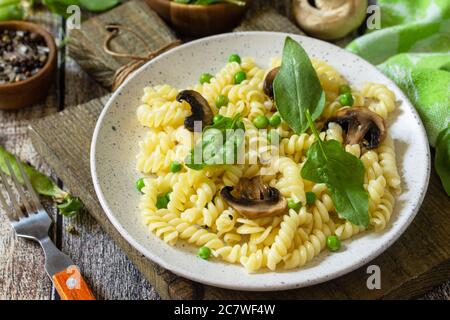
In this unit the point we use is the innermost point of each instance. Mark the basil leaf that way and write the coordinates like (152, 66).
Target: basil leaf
(297, 88)
(442, 158)
(343, 174)
(183, 1)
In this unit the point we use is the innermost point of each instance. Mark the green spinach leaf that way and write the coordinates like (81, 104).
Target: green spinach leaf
(297, 88)
(442, 158)
(343, 174)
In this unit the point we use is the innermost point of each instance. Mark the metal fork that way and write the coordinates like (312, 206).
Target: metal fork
(33, 222)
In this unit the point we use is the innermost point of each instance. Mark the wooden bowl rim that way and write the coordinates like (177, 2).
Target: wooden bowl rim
(49, 41)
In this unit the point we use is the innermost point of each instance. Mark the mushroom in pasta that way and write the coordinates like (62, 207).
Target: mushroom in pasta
(268, 81)
(361, 125)
(329, 19)
(254, 199)
(201, 111)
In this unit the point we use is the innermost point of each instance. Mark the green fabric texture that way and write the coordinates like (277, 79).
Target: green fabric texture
(413, 49)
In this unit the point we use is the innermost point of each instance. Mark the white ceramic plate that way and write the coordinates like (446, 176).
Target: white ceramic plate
(115, 144)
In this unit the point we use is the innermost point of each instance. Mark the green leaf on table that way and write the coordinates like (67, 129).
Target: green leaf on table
(297, 88)
(98, 5)
(442, 158)
(59, 7)
(11, 12)
(43, 185)
(220, 144)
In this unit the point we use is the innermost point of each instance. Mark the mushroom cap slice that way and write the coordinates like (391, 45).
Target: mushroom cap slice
(201, 111)
(268, 82)
(329, 19)
(361, 125)
(254, 199)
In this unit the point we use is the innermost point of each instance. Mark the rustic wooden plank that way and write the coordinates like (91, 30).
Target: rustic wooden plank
(86, 44)
(91, 248)
(405, 272)
(22, 274)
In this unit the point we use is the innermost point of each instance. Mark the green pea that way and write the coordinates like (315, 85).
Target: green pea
(346, 99)
(261, 122)
(162, 201)
(239, 77)
(310, 197)
(217, 118)
(333, 243)
(292, 204)
(204, 252)
(140, 184)
(234, 58)
(275, 120)
(175, 166)
(221, 101)
(345, 88)
(205, 78)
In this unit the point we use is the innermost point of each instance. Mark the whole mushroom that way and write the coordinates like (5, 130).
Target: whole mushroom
(254, 199)
(361, 125)
(329, 19)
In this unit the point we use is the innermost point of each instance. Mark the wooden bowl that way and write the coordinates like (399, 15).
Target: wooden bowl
(34, 89)
(198, 20)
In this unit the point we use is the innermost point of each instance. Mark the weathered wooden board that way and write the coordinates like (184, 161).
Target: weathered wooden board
(22, 274)
(86, 44)
(97, 255)
(412, 266)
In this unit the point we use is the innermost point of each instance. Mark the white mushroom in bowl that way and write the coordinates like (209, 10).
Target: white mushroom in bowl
(329, 19)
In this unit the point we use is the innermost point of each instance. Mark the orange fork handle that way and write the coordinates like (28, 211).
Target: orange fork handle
(70, 285)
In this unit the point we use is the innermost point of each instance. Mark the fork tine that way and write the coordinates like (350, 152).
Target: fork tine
(12, 197)
(26, 179)
(22, 195)
(8, 210)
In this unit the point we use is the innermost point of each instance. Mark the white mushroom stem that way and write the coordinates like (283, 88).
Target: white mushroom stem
(329, 19)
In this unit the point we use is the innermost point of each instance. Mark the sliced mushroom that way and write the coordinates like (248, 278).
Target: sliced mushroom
(201, 111)
(268, 81)
(329, 19)
(362, 126)
(254, 199)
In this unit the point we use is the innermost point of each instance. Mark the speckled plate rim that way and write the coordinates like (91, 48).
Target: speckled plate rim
(226, 283)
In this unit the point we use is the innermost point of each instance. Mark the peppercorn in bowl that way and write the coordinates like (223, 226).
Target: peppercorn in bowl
(27, 64)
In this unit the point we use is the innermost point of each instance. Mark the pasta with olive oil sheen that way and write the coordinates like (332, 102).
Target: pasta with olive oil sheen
(197, 213)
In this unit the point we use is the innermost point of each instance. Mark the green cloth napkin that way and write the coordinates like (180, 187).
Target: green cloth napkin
(413, 49)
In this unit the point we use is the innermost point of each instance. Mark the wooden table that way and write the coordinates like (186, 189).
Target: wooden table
(22, 274)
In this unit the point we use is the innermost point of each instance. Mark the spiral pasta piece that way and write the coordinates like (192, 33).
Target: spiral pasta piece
(290, 184)
(283, 240)
(380, 99)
